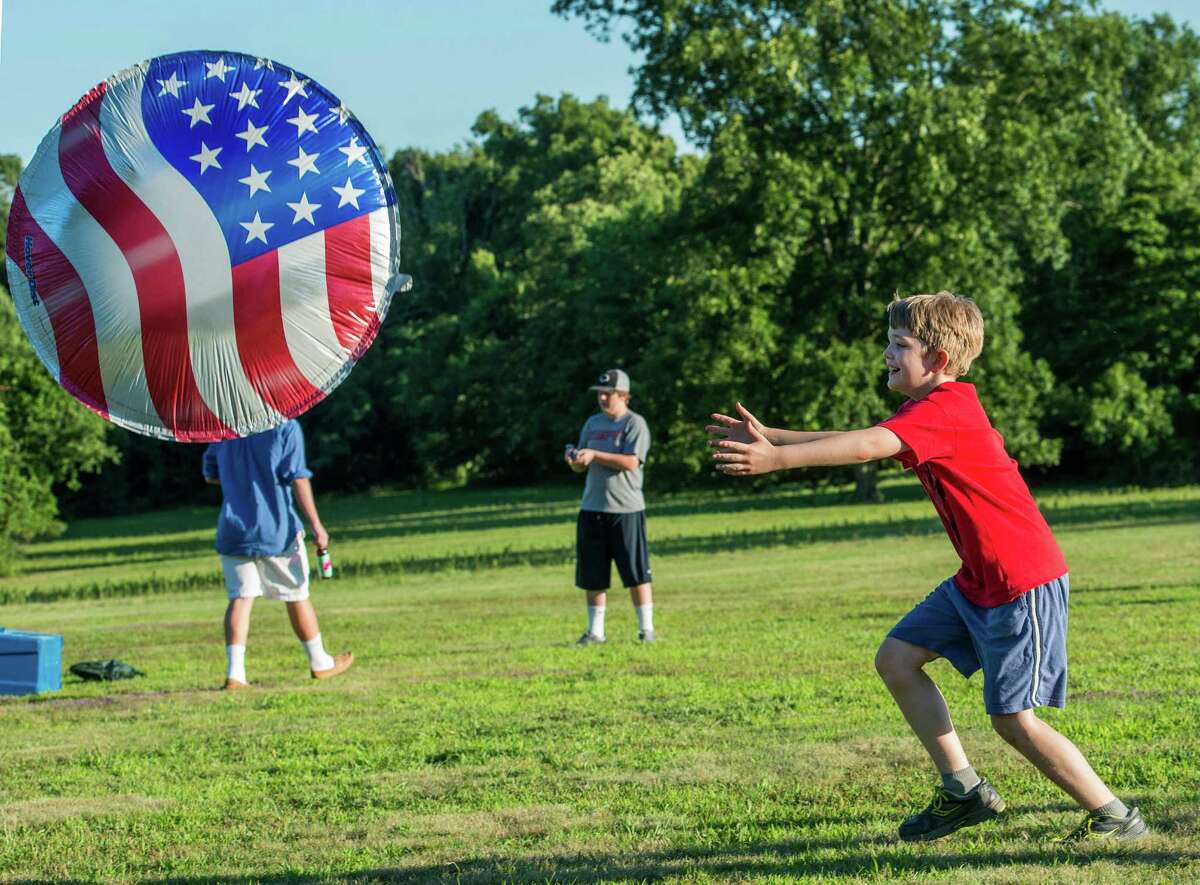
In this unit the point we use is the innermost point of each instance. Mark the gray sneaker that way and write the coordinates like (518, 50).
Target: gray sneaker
(1108, 829)
(647, 636)
(589, 639)
(947, 813)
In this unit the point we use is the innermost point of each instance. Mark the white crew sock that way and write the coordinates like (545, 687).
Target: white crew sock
(645, 615)
(318, 658)
(596, 620)
(235, 662)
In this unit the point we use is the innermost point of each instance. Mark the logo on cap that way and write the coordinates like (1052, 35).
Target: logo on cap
(613, 379)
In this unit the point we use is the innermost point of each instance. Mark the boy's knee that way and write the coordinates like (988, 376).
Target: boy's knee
(892, 662)
(882, 662)
(1014, 728)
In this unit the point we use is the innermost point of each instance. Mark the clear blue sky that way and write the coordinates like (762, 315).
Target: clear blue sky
(416, 72)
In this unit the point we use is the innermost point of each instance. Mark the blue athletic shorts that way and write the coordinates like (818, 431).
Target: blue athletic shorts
(1021, 645)
(604, 538)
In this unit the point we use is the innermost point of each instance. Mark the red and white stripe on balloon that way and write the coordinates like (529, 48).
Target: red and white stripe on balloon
(204, 246)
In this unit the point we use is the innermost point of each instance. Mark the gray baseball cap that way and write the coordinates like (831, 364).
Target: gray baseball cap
(613, 379)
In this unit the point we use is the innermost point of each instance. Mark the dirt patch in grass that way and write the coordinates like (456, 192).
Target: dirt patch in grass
(125, 698)
(813, 764)
(531, 823)
(1129, 694)
(434, 782)
(36, 812)
(45, 752)
(79, 702)
(156, 628)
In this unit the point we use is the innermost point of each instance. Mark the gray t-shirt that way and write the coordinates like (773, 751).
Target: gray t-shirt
(615, 491)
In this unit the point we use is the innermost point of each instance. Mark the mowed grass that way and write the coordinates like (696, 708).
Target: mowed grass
(470, 743)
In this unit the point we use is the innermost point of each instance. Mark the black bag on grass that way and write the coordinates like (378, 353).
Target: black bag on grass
(104, 670)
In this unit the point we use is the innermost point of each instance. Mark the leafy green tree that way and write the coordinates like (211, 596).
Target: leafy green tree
(401, 392)
(585, 289)
(1039, 157)
(1119, 321)
(857, 149)
(537, 263)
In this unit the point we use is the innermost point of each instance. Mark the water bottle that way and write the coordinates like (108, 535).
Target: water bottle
(325, 562)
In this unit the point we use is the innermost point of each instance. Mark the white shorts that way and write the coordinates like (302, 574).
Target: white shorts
(283, 577)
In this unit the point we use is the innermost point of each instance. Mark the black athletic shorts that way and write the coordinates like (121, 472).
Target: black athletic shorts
(604, 538)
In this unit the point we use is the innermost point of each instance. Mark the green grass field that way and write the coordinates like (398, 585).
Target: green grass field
(470, 743)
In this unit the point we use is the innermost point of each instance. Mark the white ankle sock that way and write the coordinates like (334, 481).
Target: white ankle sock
(645, 615)
(596, 620)
(235, 662)
(318, 658)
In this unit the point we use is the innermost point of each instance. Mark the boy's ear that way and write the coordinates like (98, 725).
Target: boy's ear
(938, 360)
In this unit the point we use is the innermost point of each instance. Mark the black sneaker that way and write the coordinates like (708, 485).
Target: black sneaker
(1107, 828)
(589, 639)
(947, 813)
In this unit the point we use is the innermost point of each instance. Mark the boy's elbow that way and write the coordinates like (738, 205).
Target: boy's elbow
(865, 454)
(858, 450)
(875, 447)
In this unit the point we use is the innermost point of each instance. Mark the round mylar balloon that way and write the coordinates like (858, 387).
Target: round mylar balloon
(203, 246)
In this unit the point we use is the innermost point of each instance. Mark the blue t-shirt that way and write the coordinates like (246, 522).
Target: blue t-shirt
(256, 473)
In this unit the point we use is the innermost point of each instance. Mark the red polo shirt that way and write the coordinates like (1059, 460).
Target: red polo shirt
(1004, 543)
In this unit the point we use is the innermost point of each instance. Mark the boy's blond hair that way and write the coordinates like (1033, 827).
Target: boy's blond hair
(942, 321)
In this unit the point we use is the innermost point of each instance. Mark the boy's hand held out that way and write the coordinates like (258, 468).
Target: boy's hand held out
(734, 429)
(745, 458)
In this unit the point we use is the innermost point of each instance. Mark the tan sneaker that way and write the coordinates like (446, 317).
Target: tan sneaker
(341, 663)
(234, 685)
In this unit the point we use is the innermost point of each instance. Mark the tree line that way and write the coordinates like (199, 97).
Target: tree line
(1041, 158)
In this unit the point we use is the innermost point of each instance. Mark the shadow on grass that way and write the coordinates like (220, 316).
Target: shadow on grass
(737, 861)
(407, 524)
(1078, 517)
(463, 515)
(410, 523)
(483, 560)
(1135, 588)
(1144, 513)
(149, 551)
(729, 541)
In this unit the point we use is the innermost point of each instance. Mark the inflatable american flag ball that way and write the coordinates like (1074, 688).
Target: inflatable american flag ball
(203, 246)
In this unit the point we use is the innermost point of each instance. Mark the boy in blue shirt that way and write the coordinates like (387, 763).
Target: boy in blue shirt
(261, 541)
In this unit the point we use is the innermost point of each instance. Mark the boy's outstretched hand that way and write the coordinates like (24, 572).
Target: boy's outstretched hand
(737, 430)
(741, 447)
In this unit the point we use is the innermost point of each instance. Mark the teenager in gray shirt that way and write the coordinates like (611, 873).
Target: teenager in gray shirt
(612, 517)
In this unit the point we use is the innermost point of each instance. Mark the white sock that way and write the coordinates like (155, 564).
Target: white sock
(235, 662)
(318, 658)
(596, 620)
(645, 615)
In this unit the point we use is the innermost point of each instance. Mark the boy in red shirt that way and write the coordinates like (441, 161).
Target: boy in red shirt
(1004, 612)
